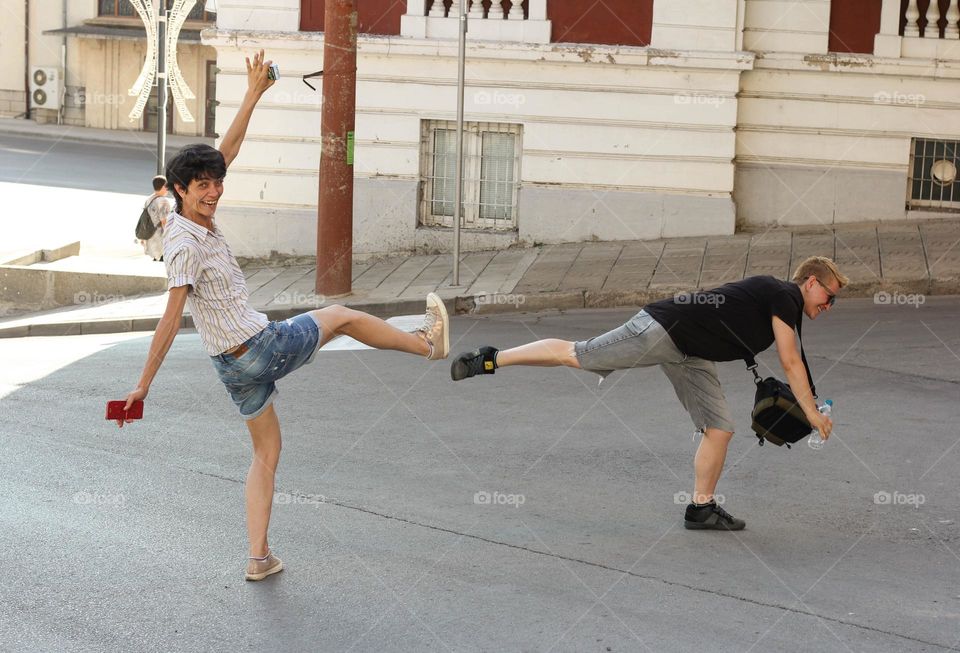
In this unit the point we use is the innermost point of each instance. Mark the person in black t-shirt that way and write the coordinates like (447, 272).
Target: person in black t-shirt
(686, 336)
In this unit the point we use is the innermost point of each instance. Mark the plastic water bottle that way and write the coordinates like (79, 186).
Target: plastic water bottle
(815, 441)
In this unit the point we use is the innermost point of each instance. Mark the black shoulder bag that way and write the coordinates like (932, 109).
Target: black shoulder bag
(777, 417)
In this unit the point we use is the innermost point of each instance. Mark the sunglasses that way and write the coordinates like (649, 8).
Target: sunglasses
(831, 298)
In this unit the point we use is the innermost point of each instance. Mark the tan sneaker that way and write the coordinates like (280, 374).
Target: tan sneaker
(260, 568)
(436, 328)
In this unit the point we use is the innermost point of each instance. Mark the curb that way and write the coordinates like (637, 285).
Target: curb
(467, 305)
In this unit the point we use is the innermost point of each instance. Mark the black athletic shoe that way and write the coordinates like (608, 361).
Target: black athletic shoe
(480, 361)
(711, 516)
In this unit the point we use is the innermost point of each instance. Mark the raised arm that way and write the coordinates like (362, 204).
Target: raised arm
(797, 376)
(257, 84)
(163, 337)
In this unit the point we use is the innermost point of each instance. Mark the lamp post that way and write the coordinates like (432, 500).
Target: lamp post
(162, 87)
(458, 192)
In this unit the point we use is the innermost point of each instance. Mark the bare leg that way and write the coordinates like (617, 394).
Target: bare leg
(542, 353)
(265, 433)
(708, 463)
(372, 331)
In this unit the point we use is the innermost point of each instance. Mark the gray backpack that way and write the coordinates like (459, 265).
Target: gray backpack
(145, 227)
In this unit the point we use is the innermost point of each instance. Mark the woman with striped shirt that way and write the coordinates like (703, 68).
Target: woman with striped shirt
(249, 352)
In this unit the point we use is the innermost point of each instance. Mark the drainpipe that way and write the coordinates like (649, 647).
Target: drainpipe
(63, 66)
(738, 36)
(26, 56)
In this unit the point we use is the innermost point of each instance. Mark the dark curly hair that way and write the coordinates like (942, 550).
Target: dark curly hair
(197, 161)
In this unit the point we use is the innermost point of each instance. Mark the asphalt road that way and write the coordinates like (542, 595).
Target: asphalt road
(132, 539)
(115, 168)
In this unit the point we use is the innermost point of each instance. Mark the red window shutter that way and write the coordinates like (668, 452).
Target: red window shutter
(854, 24)
(375, 16)
(611, 22)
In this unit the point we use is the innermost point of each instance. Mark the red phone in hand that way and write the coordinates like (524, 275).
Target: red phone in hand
(115, 410)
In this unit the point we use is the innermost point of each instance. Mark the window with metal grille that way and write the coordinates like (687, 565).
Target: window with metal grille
(491, 174)
(933, 180)
(125, 8)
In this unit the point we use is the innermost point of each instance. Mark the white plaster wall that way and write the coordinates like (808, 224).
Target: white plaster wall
(682, 138)
(825, 140)
(45, 50)
(787, 26)
(696, 24)
(273, 16)
(596, 120)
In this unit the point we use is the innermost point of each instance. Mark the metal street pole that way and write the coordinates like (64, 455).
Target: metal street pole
(461, 83)
(335, 202)
(162, 87)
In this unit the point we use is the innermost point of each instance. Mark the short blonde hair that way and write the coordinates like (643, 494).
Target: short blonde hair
(822, 268)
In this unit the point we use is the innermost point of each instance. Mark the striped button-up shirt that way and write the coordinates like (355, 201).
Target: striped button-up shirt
(218, 296)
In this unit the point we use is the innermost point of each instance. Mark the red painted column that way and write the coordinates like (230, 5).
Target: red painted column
(335, 203)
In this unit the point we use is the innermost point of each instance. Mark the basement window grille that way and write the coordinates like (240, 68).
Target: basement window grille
(934, 183)
(491, 174)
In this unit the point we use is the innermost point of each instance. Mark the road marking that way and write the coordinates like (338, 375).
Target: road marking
(402, 322)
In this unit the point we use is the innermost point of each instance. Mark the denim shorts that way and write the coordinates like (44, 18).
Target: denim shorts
(643, 342)
(250, 374)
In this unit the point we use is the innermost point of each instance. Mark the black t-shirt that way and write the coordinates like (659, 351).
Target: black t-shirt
(731, 321)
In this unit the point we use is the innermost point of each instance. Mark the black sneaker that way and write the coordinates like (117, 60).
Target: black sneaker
(711, 516)
(480, 361)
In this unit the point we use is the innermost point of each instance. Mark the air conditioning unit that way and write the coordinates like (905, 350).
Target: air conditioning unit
(46, 87)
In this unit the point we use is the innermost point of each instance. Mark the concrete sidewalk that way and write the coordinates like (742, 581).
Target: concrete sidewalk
(905, 261)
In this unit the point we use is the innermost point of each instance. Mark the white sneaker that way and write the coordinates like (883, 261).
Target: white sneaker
(260, 568)
(436, 328)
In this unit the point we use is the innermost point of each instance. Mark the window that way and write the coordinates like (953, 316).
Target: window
(125, 8)
(491, 174)
(933, 180)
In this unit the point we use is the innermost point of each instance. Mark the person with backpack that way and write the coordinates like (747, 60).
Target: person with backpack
(686, 335)
(249, 352)
(153, 219)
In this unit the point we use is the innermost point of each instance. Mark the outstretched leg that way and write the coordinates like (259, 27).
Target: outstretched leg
(542, 353)
(431, 339)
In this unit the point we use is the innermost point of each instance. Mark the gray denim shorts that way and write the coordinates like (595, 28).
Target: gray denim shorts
(643, 342)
